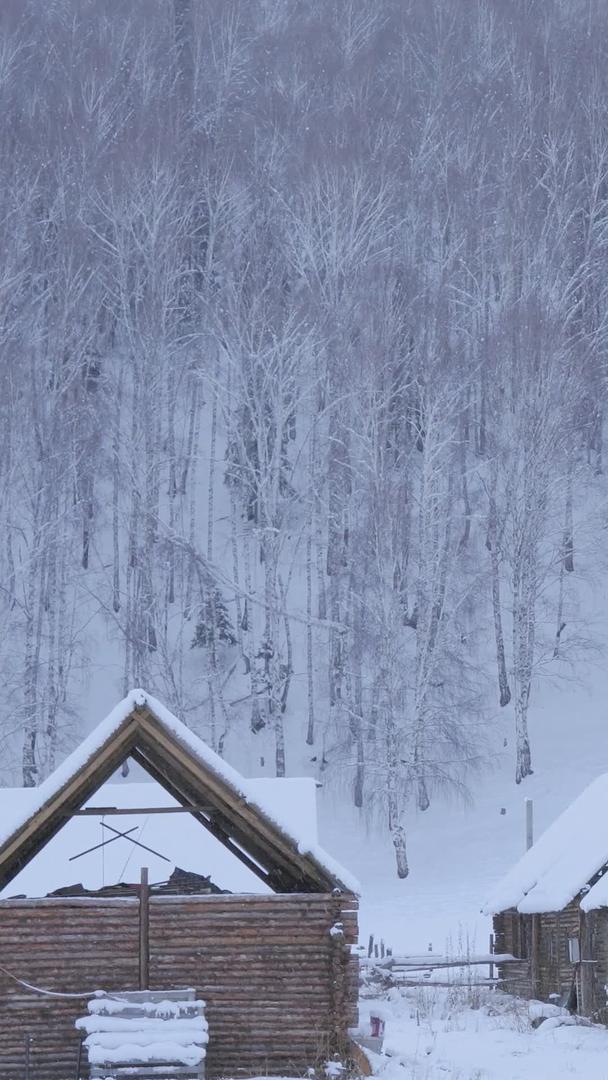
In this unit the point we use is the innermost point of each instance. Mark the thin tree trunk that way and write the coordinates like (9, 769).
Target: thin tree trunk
(568, 536)
(257, 719)
(287, 671)
(310, 680)
(493, 547)
(395, 821)
(116, 485)
(172, 490)
(33, 631)
(356, 704)
(523, 650)
(51, 674)
(236, 573)
(189, 472)
(211, 487)
(566, 561)
(464, 484)
(213, 659)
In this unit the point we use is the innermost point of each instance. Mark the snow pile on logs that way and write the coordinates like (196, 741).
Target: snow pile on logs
(145, 1028)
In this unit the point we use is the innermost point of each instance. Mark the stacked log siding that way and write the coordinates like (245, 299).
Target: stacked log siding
(281, 990)
(552, 976)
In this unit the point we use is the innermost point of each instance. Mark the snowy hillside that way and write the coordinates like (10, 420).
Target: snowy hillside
(459, 852)
(302, 391)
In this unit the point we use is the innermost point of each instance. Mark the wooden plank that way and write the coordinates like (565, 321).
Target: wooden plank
(420, 964)
(587, 1004)
(207, 823)
(144, 930)
(122, 811)
(248, 849)
(148, 1072)
(23, 845)
(249, 828)
(445, 984)
(535, 956)
(246, 901)
(186, 777)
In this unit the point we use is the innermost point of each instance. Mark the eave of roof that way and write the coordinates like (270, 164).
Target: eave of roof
(563, 861)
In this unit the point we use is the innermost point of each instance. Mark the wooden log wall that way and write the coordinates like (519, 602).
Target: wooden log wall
(62, 945)
(281, 990)
(556, 970)
(553, 973)
(515, 978)
(597, 927)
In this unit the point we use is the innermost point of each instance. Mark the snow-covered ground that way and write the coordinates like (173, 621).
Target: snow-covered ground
(464, 1033)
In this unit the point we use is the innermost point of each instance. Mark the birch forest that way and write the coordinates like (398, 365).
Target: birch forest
(302, 375)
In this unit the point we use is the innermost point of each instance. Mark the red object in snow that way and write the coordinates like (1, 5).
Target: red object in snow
(377, 1025)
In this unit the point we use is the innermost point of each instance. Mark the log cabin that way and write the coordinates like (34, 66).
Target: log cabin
(275, 967)
(550, 911)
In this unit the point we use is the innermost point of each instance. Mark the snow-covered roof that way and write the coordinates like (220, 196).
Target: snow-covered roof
(562, 861)
(121, 728)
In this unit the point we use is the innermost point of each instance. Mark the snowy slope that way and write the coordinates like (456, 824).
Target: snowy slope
(457, 852)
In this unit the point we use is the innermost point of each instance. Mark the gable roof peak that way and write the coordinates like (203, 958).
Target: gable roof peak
(142, 728)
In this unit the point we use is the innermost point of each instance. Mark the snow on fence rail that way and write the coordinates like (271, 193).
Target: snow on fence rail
(146, 1034)
(419, 969)
(434, 960)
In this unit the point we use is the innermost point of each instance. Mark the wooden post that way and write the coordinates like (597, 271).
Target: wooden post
(586, 1005)
(144, 930)
(79, 1065)
(338, 957)
(491, 951)
(529, 824)
(535, 956)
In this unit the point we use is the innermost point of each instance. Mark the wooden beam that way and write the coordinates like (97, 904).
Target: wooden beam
(535, 973)
(123, 811)
(25, 843)
(587, 1004)
(207, 823)
(142, 736)
(248, 827)
(144, 930)
(127, 836)
(103, 844)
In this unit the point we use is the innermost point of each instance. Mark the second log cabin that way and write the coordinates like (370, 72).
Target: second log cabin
(550, 911)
